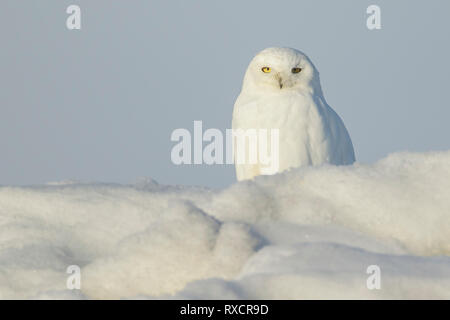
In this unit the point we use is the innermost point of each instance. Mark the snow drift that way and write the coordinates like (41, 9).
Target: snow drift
(306, 233)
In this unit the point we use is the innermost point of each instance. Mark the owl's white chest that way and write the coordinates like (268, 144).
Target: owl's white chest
(300, 120)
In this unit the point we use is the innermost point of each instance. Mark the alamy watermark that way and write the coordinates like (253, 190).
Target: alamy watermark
(74, 280)
(73, 21)
(374, 280)
(237, 146)
(373, 21)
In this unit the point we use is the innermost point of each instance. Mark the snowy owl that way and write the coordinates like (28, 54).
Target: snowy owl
(281, 90)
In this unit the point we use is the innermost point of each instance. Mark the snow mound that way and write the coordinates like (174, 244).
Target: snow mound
(306, 233)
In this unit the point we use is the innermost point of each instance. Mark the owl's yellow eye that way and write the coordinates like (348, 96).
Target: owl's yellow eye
(296, 70)
(266, 69)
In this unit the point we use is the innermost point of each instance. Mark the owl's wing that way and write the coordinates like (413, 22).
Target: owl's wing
(342, 146)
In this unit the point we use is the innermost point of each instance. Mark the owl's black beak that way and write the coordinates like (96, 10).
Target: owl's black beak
(280, 80)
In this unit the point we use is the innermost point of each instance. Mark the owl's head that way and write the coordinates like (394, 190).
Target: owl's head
(275, 69)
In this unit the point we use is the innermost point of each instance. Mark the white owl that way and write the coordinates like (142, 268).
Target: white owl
(281, 90)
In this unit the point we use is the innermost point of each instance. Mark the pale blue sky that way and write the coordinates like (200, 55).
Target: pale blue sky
(100, 104)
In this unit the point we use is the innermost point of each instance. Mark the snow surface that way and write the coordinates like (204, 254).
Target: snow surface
(306, 233)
